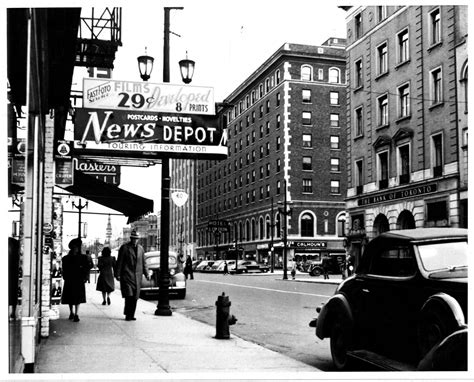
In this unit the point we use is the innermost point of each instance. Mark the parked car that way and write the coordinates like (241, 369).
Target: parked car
(247, 266)
(195, 264)
(204, 266)
(217, 266)
(408, 294)
(177, 285)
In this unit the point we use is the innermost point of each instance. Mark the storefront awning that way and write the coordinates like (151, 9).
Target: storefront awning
(108, 195)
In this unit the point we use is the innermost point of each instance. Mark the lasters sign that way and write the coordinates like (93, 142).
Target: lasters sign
(139, 134)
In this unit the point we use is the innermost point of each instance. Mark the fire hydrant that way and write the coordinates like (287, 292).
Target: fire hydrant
(223, 317)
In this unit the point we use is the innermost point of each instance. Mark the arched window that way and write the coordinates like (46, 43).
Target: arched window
(253, 229)
(341, 224)
(277, 225)
(261, 227)
(247, 230)
(334, 75)
(267, 226)
(307, 225)
(306, 73)
(241, 232)
(381, 225)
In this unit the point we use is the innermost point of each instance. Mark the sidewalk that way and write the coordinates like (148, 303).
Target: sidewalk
(103, 342)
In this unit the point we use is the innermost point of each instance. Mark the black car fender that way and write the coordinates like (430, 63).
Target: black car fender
(447, 304)
(337, 307)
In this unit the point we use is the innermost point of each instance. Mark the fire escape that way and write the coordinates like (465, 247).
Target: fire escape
(99, 36)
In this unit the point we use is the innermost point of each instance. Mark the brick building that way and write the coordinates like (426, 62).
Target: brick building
(403, 129)
(286, 127)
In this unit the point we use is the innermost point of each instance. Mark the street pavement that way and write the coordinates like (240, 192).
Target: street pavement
(103, 342)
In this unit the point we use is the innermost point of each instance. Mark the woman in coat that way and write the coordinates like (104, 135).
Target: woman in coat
(105, 282)
(130, 267)
(75, 270)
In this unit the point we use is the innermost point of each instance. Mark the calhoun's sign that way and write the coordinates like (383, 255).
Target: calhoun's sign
(174, 134)
(145, 96)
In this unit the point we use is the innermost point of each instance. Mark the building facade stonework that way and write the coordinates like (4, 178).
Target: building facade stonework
(404, 160)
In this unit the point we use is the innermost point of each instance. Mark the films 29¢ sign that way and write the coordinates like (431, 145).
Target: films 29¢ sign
(144, 96)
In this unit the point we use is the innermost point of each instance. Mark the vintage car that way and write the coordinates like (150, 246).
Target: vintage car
(408, 294)
(177, 285)
(204, 266)
(248, 266)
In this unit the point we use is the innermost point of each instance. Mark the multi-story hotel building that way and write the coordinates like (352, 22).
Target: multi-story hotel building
(286, 139)
(404, 110)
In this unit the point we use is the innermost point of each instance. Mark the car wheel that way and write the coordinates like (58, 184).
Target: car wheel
(340, 342)
(315, 271)
(182, 294)
(435, 325)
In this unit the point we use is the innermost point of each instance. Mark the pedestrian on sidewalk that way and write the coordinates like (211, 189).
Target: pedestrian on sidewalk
(91, 265)
(75, 270)
(226, 268)
(130, 267)
(325, 266)
(105, 282)
(293, 271)
(188, 268)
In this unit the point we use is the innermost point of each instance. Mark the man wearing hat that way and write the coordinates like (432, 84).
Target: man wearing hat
(130, 267)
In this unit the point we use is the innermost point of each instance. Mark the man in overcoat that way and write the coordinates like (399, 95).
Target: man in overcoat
(130, 267)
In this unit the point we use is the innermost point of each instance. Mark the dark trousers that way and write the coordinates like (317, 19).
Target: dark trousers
(130, 306)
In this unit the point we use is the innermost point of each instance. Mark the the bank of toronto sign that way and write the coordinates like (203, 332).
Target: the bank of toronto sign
(148, 120)
(408, 192)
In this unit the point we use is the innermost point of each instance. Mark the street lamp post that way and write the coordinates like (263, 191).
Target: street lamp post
(80, 207)
(285, 211)
(145, 65)
(272, 250)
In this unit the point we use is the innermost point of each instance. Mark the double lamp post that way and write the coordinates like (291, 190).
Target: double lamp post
(145, 65)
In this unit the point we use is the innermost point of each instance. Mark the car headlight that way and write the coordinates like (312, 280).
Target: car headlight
(172, 272)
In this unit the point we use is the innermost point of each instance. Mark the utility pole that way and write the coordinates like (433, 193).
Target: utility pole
(163, 308)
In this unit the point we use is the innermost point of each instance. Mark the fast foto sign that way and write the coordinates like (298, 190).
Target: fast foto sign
(117, 132)
(144, 96)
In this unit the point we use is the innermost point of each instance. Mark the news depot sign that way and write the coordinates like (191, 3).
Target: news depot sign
(118, 133)
(144, 96)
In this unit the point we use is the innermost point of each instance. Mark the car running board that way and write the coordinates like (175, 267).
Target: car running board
(381, 361)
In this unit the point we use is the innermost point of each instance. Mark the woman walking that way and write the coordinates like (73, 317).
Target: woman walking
(105, 282)
(75, 270)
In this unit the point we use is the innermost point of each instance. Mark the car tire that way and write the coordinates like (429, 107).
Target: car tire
(315, 272)
(435, 325)
(181, 294)
(340, 343)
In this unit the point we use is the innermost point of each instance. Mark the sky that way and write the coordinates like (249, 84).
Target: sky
(228, 40)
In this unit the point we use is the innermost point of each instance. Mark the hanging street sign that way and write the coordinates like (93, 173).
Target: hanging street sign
(118, 133)
(106, 172)
(132, 96)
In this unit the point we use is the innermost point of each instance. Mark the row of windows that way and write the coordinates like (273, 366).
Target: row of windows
(434, 30)
(255, 95)
(403, 163)
(403, 102)
(306, 165)
(307, 142)
(334, 76)
(251, 196)
(261, 229)
(306, 116)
